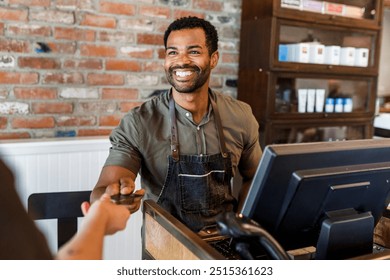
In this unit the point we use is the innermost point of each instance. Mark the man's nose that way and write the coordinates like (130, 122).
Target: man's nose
(183, 59)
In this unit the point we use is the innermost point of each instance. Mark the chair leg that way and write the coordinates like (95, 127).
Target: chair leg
(66, 228)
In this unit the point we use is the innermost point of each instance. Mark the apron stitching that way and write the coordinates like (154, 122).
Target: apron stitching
(204, 175)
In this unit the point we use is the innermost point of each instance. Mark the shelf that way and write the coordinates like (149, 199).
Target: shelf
(285, 59)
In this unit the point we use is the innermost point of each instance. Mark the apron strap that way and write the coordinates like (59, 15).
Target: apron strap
(174, 136)
(218, 125)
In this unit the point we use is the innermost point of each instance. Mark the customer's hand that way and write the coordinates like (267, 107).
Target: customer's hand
(115, 216)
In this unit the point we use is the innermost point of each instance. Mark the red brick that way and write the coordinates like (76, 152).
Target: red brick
(123, 65)
(3, 93)
(98, 21)
(161, 53)
(229, 58)
(150, 39)
(28, 30)
(52, 16)
(115, 37)
(13, 46)
(18, 78)
(74, 34)
(28, 122)
(138, 52)
(1, 28)
(117, 8)
(186, 13)
(96, 108)
(94, 132)
(3, 122)
(63, 78)
(38, 63)
(13, 14)
(111, 120)
(84, 64)
(153, 66)
(63, 48)
(105, 79)
(119, 93)
(93, 50)
(127, 106)
(157, 12)
(226, 70)
(76, 121)
(35, 93)
(28, 3)
(52, 108)
(208, 5)
(14, 135)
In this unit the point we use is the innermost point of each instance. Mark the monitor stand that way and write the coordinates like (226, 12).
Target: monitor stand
(345, 234)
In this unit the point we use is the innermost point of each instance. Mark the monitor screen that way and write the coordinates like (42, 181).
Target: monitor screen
(329, 195)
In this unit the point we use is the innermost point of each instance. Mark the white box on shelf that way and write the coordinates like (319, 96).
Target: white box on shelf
(332, 55)
(320, 99)
(291, 52)
(301, 53)
(348, 105)
(291, 4)
(334, 9)
(353, 11)
(339, 105)
(329, 105)
(311, 97)
(361, 57)
(347, 56)
(302, 100)
(313, 6)
(316, 53)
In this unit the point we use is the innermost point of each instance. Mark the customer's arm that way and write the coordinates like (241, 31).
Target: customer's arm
(101, 218)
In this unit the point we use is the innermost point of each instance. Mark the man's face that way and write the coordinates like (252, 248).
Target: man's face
(187, 61)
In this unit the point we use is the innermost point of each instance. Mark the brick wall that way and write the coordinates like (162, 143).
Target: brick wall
(75, 67)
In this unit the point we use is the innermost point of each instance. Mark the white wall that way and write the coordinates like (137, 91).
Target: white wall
(55, 165)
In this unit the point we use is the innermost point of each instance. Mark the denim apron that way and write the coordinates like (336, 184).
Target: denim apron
(197, 188)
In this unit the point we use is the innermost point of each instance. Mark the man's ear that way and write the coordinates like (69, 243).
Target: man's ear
(214, 59)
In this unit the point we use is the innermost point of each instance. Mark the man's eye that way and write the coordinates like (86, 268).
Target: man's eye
(194, 52)
(171, 53)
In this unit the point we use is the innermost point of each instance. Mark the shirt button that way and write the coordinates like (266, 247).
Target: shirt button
(198, 128)
(188, 114)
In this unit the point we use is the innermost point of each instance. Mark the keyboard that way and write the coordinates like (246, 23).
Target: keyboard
(224, 247)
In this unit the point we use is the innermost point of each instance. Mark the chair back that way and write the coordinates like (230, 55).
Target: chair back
(63, 206)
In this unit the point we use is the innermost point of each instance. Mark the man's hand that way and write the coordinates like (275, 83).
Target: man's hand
(126, 186)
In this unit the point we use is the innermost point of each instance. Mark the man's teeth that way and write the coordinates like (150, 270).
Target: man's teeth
(183, 73)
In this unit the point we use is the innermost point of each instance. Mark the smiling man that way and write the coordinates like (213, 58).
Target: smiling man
(188, 142)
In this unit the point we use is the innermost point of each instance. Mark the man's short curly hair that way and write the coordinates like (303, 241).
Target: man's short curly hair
(192, 22)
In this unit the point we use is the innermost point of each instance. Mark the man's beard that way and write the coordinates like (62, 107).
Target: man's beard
(189, 87)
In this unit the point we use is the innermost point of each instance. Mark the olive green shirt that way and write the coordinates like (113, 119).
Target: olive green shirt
(141, 142)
